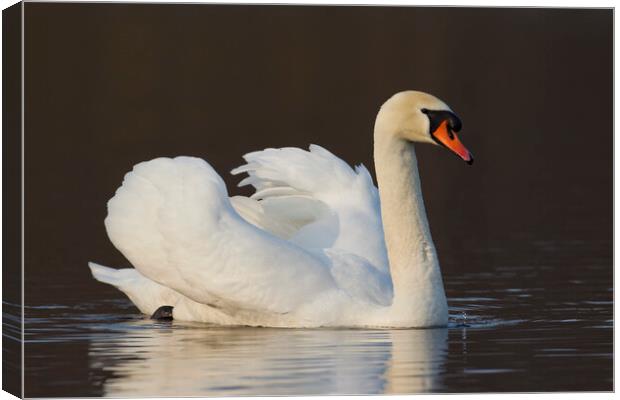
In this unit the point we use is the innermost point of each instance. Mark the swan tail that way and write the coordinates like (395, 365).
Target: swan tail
(148, 296)
(130, 282)
(116, 277)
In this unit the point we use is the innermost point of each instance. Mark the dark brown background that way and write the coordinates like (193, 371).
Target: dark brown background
(110, 85)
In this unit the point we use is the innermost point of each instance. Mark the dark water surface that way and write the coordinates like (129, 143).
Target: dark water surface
(514, 327)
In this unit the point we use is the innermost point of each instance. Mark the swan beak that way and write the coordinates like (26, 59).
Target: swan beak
(445, 137)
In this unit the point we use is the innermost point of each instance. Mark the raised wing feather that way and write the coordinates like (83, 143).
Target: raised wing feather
(174, 222)
(331, 205)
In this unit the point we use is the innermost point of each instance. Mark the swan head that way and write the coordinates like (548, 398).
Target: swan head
(420, 117)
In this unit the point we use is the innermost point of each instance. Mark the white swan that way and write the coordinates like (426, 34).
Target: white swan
(313, 246)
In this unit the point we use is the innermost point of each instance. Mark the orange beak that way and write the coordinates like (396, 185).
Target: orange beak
(444, 136)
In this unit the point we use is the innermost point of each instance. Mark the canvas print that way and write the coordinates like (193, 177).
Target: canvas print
(250, 200)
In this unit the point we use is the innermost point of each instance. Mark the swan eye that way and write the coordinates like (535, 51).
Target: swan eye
(424, 111)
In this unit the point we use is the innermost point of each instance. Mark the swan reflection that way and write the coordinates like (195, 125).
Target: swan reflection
(146, 359)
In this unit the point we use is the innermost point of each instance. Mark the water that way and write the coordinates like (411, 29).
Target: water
(546, 326)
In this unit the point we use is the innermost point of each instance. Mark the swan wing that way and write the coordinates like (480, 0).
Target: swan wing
(174, 221)
(283, 219)
(324, 202)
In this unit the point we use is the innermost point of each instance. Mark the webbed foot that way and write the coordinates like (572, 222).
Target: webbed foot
(163, 313)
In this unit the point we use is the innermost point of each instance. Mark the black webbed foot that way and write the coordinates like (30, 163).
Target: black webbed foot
(163, 313)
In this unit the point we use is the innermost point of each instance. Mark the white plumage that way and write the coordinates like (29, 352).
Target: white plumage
(306, 249)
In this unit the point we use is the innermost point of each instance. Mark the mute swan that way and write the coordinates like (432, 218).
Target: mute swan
(313, 246)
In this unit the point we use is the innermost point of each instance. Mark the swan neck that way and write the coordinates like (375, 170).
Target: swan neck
(413, 260)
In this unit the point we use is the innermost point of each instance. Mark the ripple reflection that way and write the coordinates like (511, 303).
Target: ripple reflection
(148, 359)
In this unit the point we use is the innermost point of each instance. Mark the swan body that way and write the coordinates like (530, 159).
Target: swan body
(317, 244)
